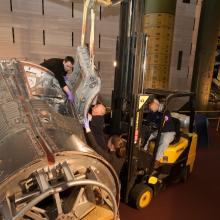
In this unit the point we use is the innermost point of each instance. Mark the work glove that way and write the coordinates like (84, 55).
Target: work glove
(89, 117)
(70, 96)
(86, 124)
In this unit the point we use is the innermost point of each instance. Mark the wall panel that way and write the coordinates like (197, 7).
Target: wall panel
(29, 7)
(59, 20)
(5, 6)
(58, 9)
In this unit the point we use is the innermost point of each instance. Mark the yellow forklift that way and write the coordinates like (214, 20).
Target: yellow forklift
(139, 180)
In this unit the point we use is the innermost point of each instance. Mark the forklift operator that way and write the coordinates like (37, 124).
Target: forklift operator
(168, 129)
(60, 68)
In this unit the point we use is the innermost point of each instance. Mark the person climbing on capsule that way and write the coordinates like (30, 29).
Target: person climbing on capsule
(60, 68)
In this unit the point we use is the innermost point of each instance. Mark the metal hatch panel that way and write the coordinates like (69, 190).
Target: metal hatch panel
(85, 83)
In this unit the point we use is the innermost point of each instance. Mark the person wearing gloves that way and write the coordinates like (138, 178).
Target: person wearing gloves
(60, 68)
(114, 152)
(168, 130)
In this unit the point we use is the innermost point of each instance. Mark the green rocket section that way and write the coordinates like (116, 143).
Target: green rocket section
(205, 51)
(158, 25)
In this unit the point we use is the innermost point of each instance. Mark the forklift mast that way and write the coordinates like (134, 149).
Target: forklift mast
(130, 57)
(129, 77)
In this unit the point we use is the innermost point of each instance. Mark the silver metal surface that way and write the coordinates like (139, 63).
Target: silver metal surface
(47, 171)
(88, 80)
(85, 66)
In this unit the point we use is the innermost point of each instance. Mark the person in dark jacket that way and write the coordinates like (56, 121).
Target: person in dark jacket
(97, 124)
(168, 129)
(115, 151)
(60, 68)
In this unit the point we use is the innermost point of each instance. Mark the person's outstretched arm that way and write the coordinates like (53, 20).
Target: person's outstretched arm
(92, 141)
(69, 94)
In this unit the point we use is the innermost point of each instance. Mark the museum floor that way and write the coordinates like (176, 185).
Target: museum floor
(197, 199)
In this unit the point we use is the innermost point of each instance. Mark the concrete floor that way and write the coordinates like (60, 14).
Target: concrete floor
(197, 199)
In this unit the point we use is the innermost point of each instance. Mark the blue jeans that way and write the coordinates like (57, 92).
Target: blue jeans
(165, 139)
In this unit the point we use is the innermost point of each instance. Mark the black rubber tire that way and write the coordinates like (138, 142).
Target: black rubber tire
(137, 193)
